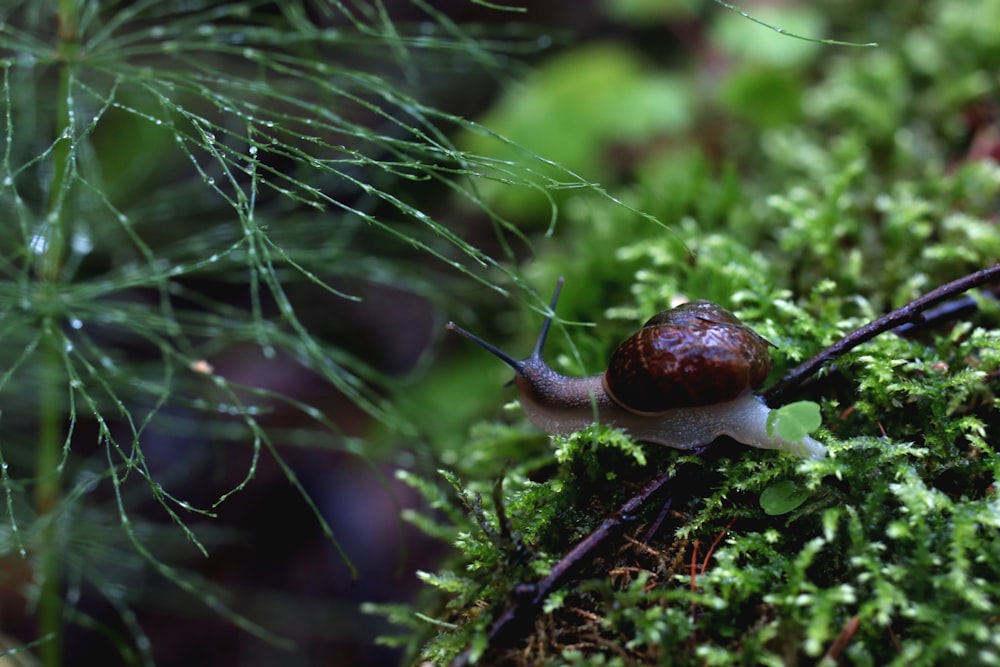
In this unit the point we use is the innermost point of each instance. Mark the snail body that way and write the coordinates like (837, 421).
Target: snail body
(684, 379)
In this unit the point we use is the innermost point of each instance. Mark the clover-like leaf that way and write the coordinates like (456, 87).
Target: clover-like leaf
(782, 497)
(794, 421)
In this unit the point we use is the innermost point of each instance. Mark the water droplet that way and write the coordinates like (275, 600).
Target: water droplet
(7, 180)
(157, 31)
(213, 258)
(38, 244)
(205, 29)
(210, 180)
(209, 137)
(82, 243)
(76, 323)
(268, 351)
(68, 347)
(253, 151)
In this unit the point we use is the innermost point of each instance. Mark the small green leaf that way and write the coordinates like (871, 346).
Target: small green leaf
(794, 421)
(782, 497)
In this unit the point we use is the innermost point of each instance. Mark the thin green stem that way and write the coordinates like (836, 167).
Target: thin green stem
(50, 430)
(47, 493)
(55, 227)
(68, 21)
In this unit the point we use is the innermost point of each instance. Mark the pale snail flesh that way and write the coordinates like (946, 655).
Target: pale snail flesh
(684, 379)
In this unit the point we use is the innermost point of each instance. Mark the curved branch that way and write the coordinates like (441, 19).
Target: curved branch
(911, 313)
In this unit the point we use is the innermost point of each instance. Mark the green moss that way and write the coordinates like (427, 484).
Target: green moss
(806, 231)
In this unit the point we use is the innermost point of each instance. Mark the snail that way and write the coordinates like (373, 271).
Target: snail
(684, 379)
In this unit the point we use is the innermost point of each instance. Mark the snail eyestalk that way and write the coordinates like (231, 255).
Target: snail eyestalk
(489, 347)
(544, 334)
(517, 365)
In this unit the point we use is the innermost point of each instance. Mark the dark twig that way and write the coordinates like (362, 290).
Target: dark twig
(843, 640)
(655, 526)
(949, 311)
(912, 312)
(528, 598)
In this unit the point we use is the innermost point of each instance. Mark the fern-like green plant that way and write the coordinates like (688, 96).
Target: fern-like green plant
(185, 182)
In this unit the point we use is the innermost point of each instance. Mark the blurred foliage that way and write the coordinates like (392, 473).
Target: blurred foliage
(198, 196)
(810, 189)
(575, 109)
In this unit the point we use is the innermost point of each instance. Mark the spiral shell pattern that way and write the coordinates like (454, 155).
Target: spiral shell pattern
(696, 354)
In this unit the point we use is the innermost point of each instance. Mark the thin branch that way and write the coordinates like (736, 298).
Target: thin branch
(911, 313)
(527, 599)
(843, 640)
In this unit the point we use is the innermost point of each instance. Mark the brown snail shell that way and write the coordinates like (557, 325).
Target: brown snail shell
(695, 354)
